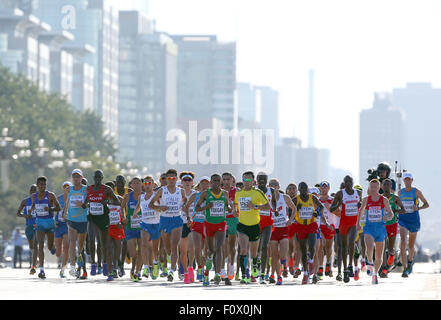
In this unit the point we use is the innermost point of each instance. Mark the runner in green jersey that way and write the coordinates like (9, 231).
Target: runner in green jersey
(216, 206)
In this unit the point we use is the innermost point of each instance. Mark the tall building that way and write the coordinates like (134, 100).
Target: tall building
(268, 104)
(381, 135)
(148, 91)
(206, 78)
(247, 102)
(95, 23)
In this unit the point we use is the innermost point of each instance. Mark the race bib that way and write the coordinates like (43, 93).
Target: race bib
(74, 198)
(408, 205)
(135, 223)
(29, 210)
(60, 216)
(114, 215)
(172, 208)
(218, 209)
(39, 209)
(280, 221)
(96, 208)
(147, 213)
(375, 214)
(351, 210)
(243, 203)
(306, 213)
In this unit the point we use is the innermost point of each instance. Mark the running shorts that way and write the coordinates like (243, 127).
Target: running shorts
(392, 230)
(185, 231)
(327, 233)
(132, 234)
(293, 229)
(377, 232)
(45, 225)
(279, 234)
(344, 228)
(61, 230)
(252, 232)
(167, 224)
(80, 227)
(212, 228)
(198, 227)
(102, 221)
(153, 230)
(232, 226)
(30, 232)
(410, 222)
(117, 234)
(304, 230)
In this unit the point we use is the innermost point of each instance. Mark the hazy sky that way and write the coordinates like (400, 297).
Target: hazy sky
(355, 47)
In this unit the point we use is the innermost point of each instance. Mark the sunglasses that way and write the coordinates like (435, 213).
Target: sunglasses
(171, 178)
(187, 179)
(247, 180)
(147, 183)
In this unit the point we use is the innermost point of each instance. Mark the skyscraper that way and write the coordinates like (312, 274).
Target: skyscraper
(268, 104)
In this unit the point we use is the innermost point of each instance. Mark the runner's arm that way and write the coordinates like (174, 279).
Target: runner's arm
(390, 214)
(202, 198)
(55, 204)
(362, 212)
(111, 195)
(155, 199)
(138, 207)
(124, 205)
(400, 205)
(292, 206)
(336, 203)
(20, 209)
(420, 196)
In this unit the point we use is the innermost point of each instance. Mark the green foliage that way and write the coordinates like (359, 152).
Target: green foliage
(33, 115)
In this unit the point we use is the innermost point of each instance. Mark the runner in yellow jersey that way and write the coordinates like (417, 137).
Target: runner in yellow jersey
(121, 190)
(248, 202)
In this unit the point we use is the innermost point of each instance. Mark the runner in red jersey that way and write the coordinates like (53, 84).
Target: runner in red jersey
(350, 201)
(230, 244)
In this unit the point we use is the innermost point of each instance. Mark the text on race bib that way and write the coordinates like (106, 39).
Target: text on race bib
(375, 214)
(74, 198)
(96, 208)
(135, 223)
(30, 211)
(351, 209)
(408, 205)
(114, 215)
(39, 209)
(243, 203)
(218, 209)
(306, 213)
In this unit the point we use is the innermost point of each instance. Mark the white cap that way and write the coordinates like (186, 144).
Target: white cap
(78, 171)
(314, 190)
(407, 175)
(179, 183)
(68, 183)
(261, 173)
(204, 178)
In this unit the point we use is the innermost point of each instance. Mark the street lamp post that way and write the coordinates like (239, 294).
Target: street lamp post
(43, 157)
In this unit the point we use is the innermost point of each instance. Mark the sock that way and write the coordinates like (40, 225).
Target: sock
(255, 262)
(243, 264)
(41, 269)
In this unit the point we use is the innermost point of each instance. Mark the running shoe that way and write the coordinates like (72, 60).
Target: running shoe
(145, 272)
(223, 274)
(134, 277)
(237, 277)
(335, 263)
(297, 273)
(53, 251)
(115, 274)
(32, 272)
(310, 267)
(272, 279)
(351, 271)
(314, 279)
(155, 272)
(93, 269)
(139, 276)
(320, 273)
(405, 274)
(62, 276)
(253, 280)
(206, 281)
(339, 277)
(187, 278)
(285, 273)
(121, 271)
(181, 276)
(230, 272)
(249, 280)
(84, 276)
(217, 279)
(279, 281)
(363, 265)
(209, 264)
(327, 269)
(346, 276)
(262, 280)
(305, 279)
(357, 274)
(409, 267)
(42, 275)
(374, 280)
(105, 269)
(391, 259)
(370, 269)
(267, 277)
(291, 270)
(72, 271)
(164, 273)
(255, 272)
(383, 272)
(200, 275)
(228, 282)
(331, 274)
(110, 277)
(243, 281)
(80, 261)
(191, 274)
(170, 276)
(100, 270)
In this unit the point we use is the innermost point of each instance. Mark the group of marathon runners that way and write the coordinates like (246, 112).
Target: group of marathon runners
(248, 231)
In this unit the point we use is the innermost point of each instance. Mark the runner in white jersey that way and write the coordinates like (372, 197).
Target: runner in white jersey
(171, 199)
(279, 242)
(185, 245)
(150, 231)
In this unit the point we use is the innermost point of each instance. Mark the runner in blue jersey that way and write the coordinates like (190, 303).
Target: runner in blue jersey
(76, 217)
(410, 220)
(44, 203)
(61, 239)
(29, 215)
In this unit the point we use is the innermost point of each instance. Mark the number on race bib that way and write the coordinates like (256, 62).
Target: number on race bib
(408, 205)
(351, 210)
(243, 204)
(375, 214)
(39, 209)
(74, 198)
(218, 209)
(114, 215)
(306, 213)
(96, 208)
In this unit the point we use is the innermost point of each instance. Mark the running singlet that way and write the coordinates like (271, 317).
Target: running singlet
(349, 211)
(40, 206)
(375, 211)
(281, 216)
(231, 195)
(409, 199)
(305, 215)
(198, 216)
(133, 223)
(76, 213)
(394, 207)
(190, 209)
(95, 198)
(148, 216)
(216, 214)
(249, 217)
(114, 214)
(27, 210)
(266, 218)
(173, 201)
(59, 215)
(330, 217)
